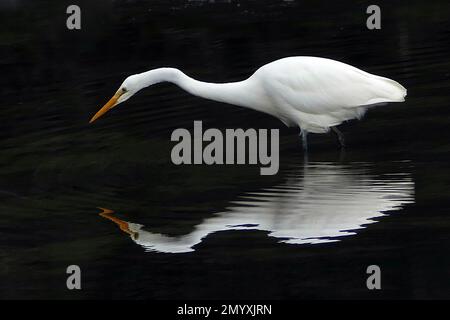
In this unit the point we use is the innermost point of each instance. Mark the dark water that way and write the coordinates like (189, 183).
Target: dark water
(106, 197)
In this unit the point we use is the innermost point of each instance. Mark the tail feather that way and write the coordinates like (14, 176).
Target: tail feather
(387, 90)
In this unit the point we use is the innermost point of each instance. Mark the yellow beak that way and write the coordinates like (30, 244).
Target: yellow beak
(108, 106)
(123, 225)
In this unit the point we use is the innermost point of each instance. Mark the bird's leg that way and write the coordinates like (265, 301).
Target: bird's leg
(340, 136)
(342, 155)
(304, 134)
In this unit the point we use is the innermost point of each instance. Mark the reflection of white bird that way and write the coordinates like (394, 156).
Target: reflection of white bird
(313, 93)
(317, 205)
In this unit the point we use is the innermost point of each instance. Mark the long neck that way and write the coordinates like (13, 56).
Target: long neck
(236, 93)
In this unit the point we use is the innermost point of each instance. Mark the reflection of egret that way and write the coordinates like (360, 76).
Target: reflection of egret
(317, 205)
(313, 93)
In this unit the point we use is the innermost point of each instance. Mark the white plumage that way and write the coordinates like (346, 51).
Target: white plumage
(313, 93)
(317, 93)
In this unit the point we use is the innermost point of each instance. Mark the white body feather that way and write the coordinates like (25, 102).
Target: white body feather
(317, 93)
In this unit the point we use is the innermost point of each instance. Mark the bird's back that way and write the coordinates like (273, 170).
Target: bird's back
(319, 92)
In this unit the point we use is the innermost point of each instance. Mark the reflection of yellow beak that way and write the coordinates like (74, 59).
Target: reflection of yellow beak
(123, 225)
(108, 106)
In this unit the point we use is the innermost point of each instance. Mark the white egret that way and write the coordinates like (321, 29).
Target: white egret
(313, 93)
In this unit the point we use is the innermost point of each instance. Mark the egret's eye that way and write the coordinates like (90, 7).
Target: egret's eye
(124, 90)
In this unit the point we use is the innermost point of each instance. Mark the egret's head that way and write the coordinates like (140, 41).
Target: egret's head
(127, 89)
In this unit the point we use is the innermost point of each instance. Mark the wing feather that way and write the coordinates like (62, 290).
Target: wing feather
(322, 86)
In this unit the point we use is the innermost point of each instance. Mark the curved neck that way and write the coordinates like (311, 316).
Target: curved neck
(236, 93)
